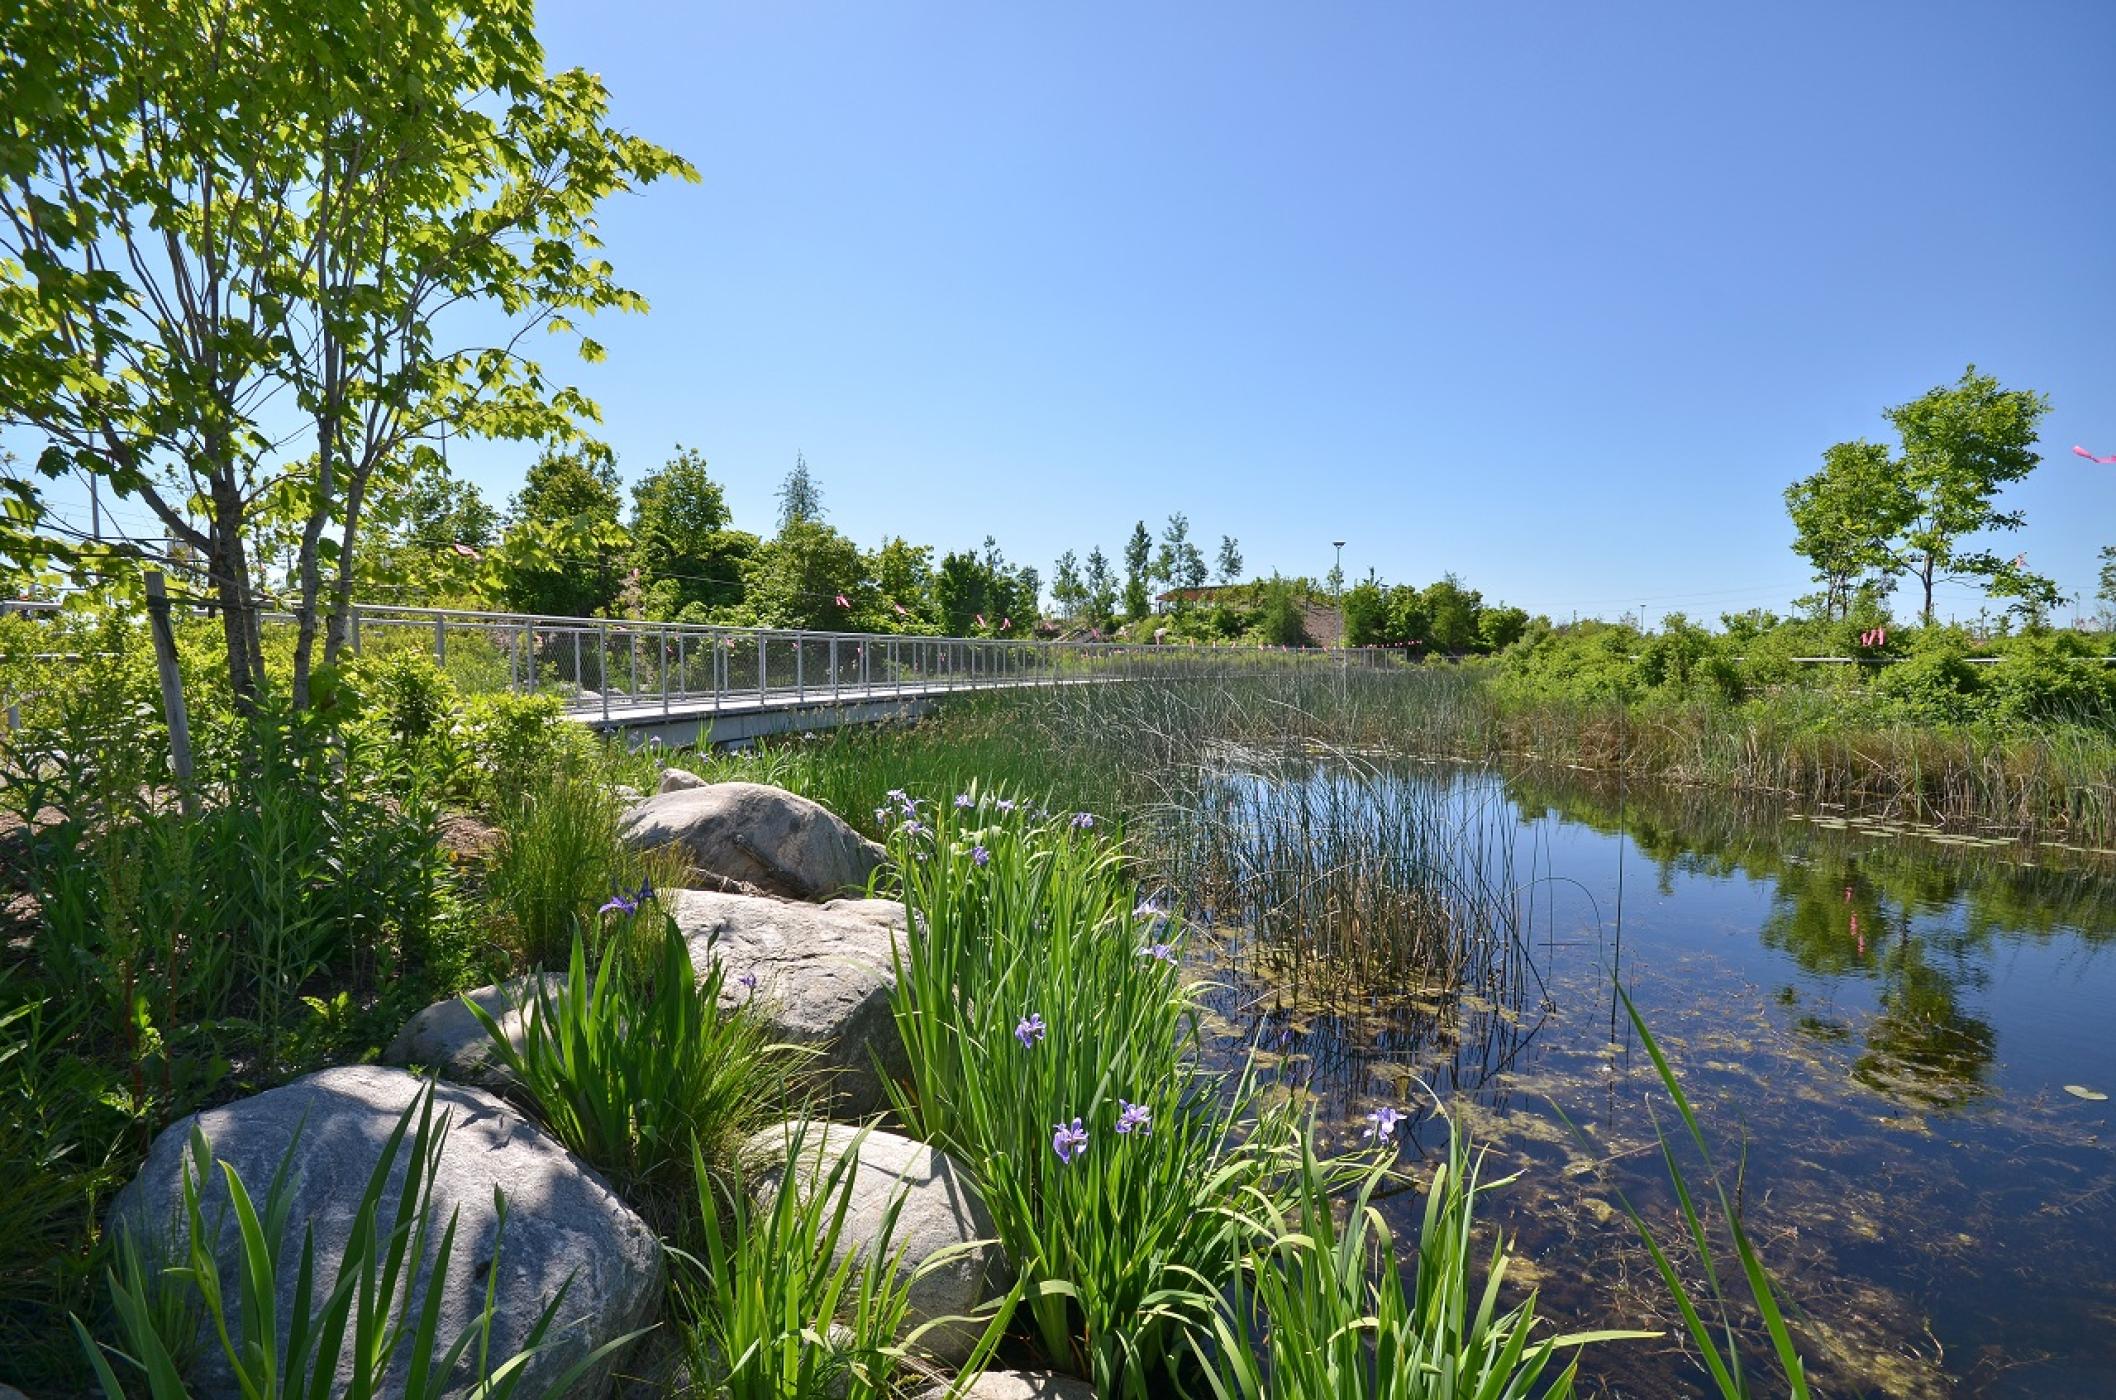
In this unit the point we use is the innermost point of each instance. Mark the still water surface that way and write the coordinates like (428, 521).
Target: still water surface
(1886, 1023)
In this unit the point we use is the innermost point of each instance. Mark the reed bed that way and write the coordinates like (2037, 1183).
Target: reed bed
(1335, 871)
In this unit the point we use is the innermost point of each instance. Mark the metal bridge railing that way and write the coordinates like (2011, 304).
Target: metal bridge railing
(618, 670)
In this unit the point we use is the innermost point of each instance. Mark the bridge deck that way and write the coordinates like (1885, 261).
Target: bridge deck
(733, 718)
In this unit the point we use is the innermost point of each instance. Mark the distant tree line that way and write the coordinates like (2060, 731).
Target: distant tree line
(567, 546)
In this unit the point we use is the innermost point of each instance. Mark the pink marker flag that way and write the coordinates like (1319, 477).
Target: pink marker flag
(901, 610)
(2020, 561)
(843, 602)
(980, 619)
(2079, 451)
(1006, 624)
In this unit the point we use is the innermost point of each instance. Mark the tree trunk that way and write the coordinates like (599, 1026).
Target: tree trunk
(228, 565)
(337, 621)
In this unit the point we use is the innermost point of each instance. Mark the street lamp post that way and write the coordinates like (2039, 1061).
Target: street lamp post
(1337, 588)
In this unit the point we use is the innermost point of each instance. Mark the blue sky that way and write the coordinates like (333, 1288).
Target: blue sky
(1556, 296)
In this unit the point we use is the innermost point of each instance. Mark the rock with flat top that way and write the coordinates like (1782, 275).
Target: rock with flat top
(821, 975)
(565, 1227)
(776, 840)
(941, 1214)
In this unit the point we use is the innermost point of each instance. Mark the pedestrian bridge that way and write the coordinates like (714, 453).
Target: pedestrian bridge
(686, 684)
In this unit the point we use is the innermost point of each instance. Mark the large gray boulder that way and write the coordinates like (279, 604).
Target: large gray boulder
(1016, 1385)
(447, 1039)
(941, 1214)
(565, 1226)
(768, 837)
(821, 975)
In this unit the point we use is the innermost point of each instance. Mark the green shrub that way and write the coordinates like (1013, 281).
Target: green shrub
(2047, 679)
(408, 695)
(512, 740)
(1935, 684)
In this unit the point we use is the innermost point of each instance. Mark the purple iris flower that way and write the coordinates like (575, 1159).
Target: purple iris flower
(897, 795)
(1381, 1123)
(1031, 1029)
(1083, 821)
(1135, 1117)
(881, 816)
(980, 855)
(622, 903)
(748, 982)
(912, 828)
(1068, 1143)
(1166, 952)
(1005, 804)
(1148, 909)
(963, 800)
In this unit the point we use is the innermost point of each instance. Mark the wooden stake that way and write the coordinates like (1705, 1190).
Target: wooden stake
(172, 688)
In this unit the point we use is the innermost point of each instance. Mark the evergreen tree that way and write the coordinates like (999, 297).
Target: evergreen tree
(1230, 559)
(1138, 555)
(800, 498)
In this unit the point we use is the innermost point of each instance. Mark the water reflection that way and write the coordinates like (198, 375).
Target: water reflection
(1883, 1019)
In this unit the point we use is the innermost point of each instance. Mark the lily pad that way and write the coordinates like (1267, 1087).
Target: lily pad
(2081, 1091)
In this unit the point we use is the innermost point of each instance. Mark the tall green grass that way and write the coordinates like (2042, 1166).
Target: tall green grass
(163, 957)
(784, 1312)
(559, 859)
(1321, 1310)
(1339, 872)
(1052, 1049)
(638, 1066)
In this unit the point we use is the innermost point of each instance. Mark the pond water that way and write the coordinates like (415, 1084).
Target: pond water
(1884, 1022)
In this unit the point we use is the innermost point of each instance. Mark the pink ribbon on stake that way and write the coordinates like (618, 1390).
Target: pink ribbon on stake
(2079, 451)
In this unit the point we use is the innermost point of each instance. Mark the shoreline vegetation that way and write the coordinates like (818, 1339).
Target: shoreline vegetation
(164, 962)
